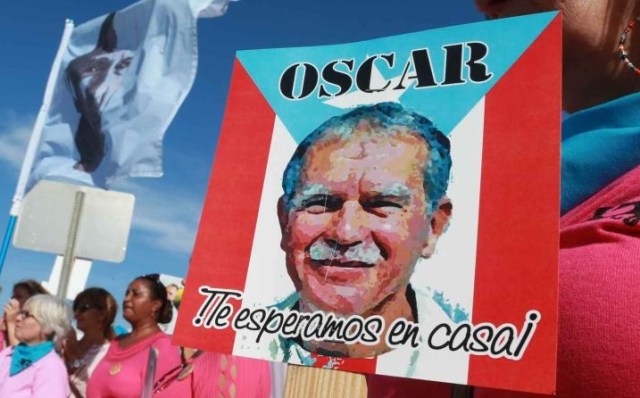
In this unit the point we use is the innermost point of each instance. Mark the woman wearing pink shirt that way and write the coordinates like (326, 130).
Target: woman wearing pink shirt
(33, 368)
(21, 292)
(121, 373)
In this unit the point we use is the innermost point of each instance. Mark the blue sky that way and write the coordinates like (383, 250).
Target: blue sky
(168, 208)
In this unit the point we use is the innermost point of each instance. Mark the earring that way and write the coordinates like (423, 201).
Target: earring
(624, 53)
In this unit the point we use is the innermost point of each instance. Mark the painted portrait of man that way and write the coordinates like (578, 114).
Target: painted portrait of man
(364, 199)
(359, 219)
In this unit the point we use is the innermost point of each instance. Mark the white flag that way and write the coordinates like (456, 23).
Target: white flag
(113, 91)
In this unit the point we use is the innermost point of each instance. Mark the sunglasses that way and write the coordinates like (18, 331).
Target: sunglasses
(82, 307)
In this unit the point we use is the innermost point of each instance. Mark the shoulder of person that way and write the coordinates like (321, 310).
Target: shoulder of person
(162, 340)
(6, 352)
(51, 362)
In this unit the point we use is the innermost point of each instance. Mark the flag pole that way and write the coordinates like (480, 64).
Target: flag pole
(34, 141)
(7, 238)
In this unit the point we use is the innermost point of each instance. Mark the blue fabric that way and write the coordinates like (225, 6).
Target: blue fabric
(26, 355)
(599, 144)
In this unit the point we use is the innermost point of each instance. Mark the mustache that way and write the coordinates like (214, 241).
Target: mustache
(367, 253)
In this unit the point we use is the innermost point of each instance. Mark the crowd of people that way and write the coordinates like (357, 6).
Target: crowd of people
(43, 355)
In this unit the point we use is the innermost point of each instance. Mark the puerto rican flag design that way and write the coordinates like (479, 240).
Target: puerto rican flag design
(496, 263)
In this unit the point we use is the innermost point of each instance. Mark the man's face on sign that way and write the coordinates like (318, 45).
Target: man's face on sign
(95, 77)
(358, 222)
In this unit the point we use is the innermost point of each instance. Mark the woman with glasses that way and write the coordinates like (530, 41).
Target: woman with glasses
(21, 292)
(122, 373)
(94, 310)
(33, 368)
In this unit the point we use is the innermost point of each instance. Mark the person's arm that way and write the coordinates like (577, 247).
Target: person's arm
(10, 314)
(70, 351)
(168, 356)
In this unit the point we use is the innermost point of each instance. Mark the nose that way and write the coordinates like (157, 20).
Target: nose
(127, 298)
(349, 226)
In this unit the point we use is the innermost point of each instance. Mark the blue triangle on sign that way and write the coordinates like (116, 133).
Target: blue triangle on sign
(445, 102)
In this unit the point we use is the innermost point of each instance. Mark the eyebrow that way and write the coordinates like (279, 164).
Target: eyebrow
(396, 189)
(307, 192)
(314, 189)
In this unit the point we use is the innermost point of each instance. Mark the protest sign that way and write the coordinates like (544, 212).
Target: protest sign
(389, 206)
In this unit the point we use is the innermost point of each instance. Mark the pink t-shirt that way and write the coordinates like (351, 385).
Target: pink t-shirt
(121, 372)
(47, 377)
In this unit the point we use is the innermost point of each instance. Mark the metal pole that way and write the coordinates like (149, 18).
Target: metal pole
(69, 253)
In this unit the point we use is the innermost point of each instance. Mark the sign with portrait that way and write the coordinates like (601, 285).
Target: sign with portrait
(389, 206)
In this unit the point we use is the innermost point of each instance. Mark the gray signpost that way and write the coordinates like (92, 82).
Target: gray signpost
(74, 221)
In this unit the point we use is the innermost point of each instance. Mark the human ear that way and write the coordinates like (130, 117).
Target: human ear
(156, 306)
(439, 223)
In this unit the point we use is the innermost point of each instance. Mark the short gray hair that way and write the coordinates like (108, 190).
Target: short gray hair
(53, 315)
(387, 115)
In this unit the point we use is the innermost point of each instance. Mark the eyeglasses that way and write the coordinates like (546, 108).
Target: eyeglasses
(26, 314)
(82, 307)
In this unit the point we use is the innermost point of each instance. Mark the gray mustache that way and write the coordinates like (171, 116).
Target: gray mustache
(367, 253)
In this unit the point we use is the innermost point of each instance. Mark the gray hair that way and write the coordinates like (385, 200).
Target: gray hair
(53, 315)
(387, 115)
